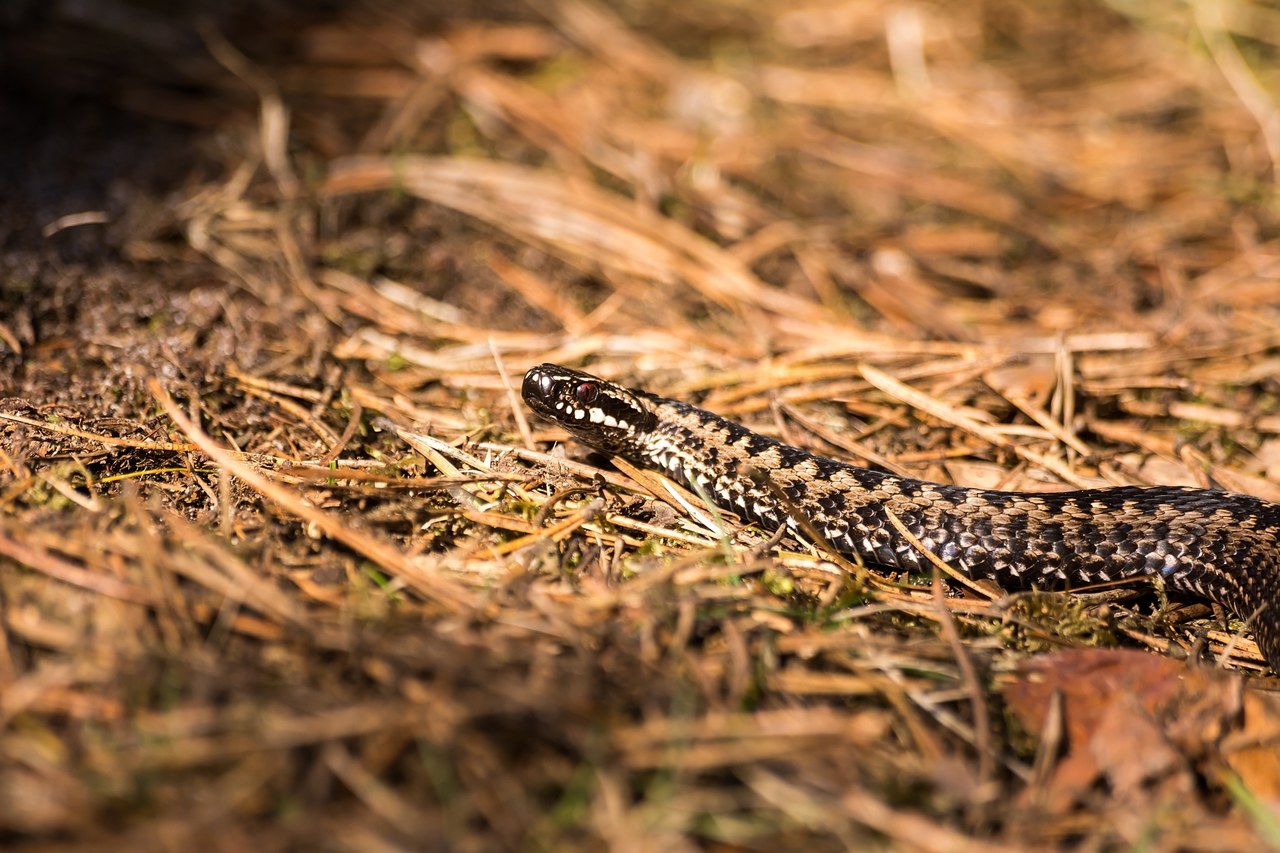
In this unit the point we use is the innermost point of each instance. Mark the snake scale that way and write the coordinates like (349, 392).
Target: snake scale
(1210, 543)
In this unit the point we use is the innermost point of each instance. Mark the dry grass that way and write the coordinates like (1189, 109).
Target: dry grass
(288, 566)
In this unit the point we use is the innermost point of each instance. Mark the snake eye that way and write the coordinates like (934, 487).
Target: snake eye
(586, 393)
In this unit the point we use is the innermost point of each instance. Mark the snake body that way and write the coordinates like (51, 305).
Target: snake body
(1207, 542)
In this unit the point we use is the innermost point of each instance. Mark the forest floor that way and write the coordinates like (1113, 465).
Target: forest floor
(286, 564)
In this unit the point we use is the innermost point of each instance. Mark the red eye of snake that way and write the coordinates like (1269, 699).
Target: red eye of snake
(586, 393)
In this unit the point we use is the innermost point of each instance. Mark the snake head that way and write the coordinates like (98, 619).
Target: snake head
(600, 414)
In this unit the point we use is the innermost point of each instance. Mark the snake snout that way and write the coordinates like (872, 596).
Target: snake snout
(545, 384)
(538, 385)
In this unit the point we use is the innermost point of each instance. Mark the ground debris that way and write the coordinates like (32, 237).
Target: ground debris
(285, 564)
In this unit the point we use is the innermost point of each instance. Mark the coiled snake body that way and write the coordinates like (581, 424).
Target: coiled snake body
(1211, 543)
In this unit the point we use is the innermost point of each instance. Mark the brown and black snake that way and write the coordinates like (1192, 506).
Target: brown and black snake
(1213, 544)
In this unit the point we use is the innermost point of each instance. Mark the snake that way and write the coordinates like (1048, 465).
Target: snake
(1208, 543)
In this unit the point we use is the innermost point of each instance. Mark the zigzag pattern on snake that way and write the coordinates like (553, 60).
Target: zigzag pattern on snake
(1214, 544)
